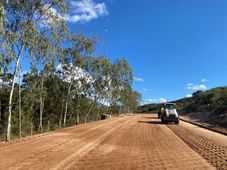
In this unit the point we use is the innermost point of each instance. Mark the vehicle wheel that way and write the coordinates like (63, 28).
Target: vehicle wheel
(162, 120)
(177, 122)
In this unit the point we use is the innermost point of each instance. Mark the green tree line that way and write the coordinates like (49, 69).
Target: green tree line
(207, 106)
(66, 84)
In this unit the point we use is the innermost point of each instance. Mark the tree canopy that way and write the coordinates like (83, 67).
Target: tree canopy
(66, 83)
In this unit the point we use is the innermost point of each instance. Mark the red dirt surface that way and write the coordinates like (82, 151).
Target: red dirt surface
(130, 142)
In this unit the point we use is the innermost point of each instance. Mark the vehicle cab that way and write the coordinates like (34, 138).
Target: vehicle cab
(168, 113)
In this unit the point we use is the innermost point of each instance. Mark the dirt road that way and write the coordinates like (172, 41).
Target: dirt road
(130, 142)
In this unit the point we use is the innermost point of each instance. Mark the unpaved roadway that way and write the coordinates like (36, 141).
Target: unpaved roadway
(129, 142)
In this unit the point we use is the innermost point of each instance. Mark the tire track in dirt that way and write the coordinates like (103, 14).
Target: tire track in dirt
(141, 144)
(39, 146)
(44, 160)
(108, 155)
(50, 134)
(125, 143)
(210, 150)
(71, 160)
(212, 136)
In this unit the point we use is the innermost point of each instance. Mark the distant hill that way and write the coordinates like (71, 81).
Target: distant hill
(205, 106)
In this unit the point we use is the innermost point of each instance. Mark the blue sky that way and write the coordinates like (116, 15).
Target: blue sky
(175, 47)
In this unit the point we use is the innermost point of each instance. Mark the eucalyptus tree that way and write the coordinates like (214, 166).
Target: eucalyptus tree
(31, 29)
(3, 51)
(136, 98)
(108, 80)
(130, 99)
(70, 75)
(42, 92)
(121, 79)
(99, 69)
(73, 68)
(31, 84)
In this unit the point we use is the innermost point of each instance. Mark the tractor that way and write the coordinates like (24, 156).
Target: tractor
(168, 113)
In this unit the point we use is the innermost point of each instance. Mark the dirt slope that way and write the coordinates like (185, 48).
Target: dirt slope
(130, 142)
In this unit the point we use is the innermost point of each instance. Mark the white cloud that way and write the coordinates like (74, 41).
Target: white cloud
(85, 11)
(162, 100)
(188, 95)
(138, 79)
(81, 11)
(195, 87)
(189, 84)
(204, 80)
(148, 101)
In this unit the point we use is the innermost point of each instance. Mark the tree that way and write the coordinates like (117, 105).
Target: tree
(31, 27)
(121, 80)
(73, 68)
(36, 31)
(109, 79)
(99, 69)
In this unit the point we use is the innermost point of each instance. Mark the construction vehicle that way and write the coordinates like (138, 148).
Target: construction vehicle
(168, 113)
(105, 116)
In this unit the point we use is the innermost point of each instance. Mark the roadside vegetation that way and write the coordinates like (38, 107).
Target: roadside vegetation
(206, 106)
(65, 84)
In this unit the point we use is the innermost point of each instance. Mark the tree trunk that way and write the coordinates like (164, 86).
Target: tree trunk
(62, 110)
(66, 105)
(88, 112)
(31, 129)
(41, 108)
(0, 110)
(8, 133)
(120, 110)
(19, 106)
(78, 112)
(65, 114)
(48, 125)
(77, 118)
(107, 109)
(98, 114)
(41, 115)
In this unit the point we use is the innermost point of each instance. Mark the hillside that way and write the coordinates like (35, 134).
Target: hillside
(209, 106)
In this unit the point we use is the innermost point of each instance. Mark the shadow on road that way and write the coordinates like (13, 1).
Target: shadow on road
(151, 117)
(151, 122)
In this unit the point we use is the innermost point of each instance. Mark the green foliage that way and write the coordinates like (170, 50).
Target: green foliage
(148, 108)
(77, 92)
(55, 94)
(212, 102)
